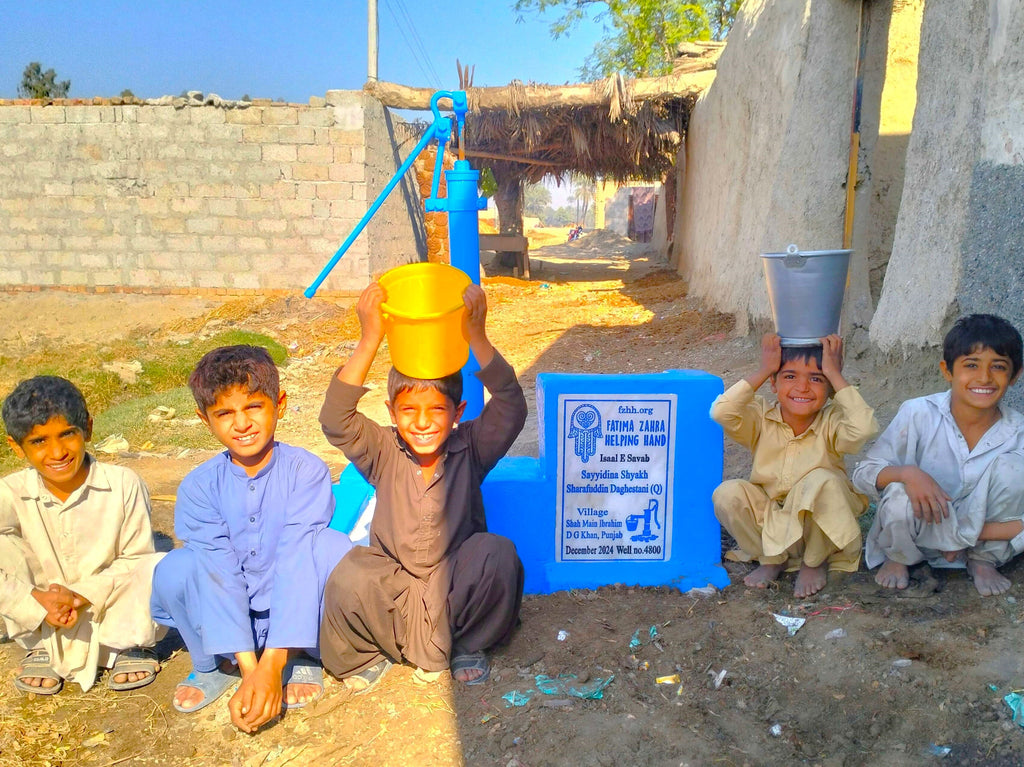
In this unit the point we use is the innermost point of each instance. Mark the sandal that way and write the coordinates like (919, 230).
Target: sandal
(472, 660)
(37, 666)
(212, 684)
(134, 661)
(303, 671)
(368, 678)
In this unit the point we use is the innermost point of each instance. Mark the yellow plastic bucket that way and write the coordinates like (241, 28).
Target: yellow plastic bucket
(423, 313)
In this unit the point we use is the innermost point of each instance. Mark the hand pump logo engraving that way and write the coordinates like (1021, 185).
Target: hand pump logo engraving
(584, 429)
(633, 520)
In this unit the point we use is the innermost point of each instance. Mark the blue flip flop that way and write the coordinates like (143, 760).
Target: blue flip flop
(212, 684)
(303, 671)
(472, 660)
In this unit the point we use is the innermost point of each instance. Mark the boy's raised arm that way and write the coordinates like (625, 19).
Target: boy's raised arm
(771, 360)
(832, 361)
(476, 324)
(371, 323)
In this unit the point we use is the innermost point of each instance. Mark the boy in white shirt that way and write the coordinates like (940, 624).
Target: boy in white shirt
(949, 469)
(76, 549)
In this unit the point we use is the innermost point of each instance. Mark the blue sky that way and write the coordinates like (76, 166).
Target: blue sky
(279, 50)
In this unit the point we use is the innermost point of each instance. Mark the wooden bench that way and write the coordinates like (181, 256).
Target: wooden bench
(509, 243)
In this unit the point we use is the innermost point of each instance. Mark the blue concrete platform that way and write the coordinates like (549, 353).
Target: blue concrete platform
(621, 490)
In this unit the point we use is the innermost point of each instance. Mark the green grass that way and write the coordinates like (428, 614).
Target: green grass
(120, 407)
(130, 419)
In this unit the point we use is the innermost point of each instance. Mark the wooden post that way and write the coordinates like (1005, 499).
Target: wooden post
(371, 41)
(600, 199)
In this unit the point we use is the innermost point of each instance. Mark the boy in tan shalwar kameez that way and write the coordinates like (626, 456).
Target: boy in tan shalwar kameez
(798, 510)
(76, 549)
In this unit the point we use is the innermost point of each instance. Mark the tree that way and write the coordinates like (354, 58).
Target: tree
(127, 94)
(37, 84)
(721, 15)
(536, 200)
(643, 34)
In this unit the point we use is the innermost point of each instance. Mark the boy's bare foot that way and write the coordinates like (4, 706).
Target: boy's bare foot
(763, 575)
(893, 575)
(810, 580)
(987, 580)
(953, 556)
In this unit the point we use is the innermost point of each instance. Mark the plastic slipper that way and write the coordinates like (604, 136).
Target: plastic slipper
(133, 661)
(212, 684)
(368, 678)
(37, 666)
(472, 660)
(303, 671)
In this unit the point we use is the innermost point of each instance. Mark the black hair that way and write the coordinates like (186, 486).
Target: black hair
(805, 353)
(35, 401)
(230, 366)
(974, 332)
(450, 386)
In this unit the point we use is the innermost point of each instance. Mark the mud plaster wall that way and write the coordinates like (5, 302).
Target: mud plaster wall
(177, 198)
(959, 243)
(765, 156)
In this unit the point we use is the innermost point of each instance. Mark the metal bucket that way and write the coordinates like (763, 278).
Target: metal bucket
(806, 292)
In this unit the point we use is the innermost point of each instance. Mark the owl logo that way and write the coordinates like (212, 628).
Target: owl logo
(584, 429)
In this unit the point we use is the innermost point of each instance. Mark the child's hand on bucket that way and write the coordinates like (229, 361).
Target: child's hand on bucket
(371, 319)
(832, 361)
(771, 353)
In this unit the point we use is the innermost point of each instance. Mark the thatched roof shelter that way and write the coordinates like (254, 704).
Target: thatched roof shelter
(618, 129)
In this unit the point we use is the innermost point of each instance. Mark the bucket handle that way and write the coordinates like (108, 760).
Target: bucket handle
(793, 259)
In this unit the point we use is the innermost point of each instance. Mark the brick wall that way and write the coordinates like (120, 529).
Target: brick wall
(187, 196)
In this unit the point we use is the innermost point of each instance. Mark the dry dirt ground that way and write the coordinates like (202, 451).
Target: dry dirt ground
(875, 678)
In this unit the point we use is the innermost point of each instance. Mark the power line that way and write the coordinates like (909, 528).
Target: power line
(414, 45)
(419, 41)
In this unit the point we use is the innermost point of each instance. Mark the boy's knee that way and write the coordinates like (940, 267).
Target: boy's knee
(340, 590)
(894, 505)
(729, 497)
(819, 479)
(496, 549)
(171, 575)
(1007, 472)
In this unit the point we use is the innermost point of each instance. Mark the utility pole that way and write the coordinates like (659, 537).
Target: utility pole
(371, 40)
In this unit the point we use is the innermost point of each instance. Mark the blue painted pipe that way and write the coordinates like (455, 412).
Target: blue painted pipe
(461, 205)
(427, 138)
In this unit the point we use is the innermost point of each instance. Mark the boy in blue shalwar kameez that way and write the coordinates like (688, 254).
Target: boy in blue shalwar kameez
(247, 587)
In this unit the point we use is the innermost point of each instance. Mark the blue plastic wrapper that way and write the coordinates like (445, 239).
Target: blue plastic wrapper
(634, 641)
(1016, 704)
(564, 684)
(516, 698)
(653, 632)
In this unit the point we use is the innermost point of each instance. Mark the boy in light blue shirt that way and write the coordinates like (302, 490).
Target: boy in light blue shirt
(248, 585)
